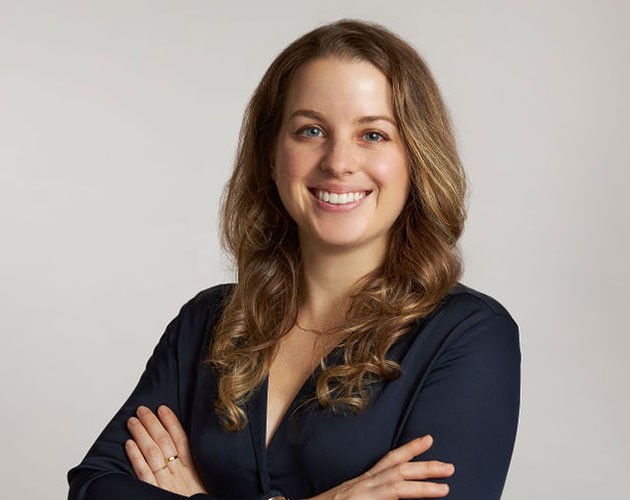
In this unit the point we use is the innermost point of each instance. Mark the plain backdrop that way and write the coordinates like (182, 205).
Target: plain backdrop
(118, 125)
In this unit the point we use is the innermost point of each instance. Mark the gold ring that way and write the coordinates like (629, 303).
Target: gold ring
(170, 459)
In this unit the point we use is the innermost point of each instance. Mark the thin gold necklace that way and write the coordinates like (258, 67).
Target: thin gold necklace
(317, 332)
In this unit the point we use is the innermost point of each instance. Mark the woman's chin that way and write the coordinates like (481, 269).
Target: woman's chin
(342, 241)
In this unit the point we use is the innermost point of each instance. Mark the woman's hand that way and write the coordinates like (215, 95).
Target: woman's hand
(159, 452)
(395, 476)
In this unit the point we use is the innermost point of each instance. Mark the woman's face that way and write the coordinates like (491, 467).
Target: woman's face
(339, 162)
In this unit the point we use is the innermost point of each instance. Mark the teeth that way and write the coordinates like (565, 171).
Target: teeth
(339, 198)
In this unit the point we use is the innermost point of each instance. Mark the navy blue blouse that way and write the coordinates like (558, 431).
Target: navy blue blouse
(460, 383)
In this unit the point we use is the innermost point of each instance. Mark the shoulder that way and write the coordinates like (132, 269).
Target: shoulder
(210, 297)
(197, 317)
(208, 300)
(465, 305)
(466, 316)
(466, 299)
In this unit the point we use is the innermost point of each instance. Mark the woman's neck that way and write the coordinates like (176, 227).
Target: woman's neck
(327, 280)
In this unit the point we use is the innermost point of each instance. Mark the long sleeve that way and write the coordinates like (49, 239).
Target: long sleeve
(105, 473)
(469, 402)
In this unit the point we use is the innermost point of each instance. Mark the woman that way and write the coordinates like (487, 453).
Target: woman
(347, 334)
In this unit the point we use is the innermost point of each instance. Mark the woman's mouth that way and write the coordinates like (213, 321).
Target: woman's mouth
(339, 198)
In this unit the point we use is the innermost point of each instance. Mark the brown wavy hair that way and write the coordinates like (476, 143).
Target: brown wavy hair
(422, 262)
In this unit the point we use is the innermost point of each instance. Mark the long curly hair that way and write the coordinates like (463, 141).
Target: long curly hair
(422, 262)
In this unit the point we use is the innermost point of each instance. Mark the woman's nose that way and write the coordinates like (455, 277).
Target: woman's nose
(339, 158)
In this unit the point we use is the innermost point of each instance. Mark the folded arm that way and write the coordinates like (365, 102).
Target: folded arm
(469, 403)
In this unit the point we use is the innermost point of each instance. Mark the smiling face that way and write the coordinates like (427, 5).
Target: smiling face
(339, 162)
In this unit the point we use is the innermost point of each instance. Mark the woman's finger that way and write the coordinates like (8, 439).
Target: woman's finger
(151, 452)
(402, 454)
(157, 431)
(410, 489)
(423, 470)
(407, 479)
(138, 463)
(152, 445)
(177, 434)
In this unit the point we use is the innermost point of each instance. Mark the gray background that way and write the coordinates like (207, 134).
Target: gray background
(118, 124)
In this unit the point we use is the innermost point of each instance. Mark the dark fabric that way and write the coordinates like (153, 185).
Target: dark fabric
(460, 383)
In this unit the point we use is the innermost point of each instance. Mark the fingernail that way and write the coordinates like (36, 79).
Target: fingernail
(162, 409)
(142, 410)
(132, 421)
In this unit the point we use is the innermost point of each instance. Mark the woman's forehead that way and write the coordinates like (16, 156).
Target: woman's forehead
(334, 86)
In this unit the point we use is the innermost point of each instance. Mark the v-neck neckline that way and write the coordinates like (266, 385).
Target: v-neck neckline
(306, 387)
(285, 415)
(257, 413)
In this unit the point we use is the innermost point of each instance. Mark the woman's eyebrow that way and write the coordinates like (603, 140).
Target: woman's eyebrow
(309, 113)
(376, 118)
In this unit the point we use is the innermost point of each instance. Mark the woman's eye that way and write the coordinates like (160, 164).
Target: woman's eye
(311, 132)
(373, 137)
